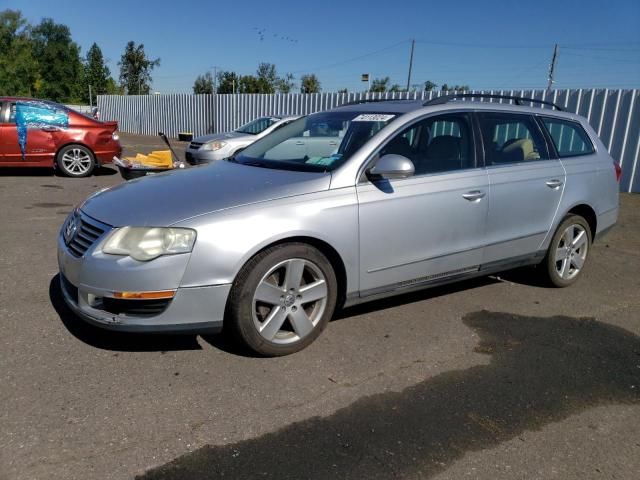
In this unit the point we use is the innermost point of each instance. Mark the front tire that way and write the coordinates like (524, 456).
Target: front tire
(568, 251)
(76, 161)
(282, 299)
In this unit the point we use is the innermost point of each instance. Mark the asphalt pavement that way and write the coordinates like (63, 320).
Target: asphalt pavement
(494, 378)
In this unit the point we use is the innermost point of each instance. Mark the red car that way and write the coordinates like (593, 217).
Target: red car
(38, 133)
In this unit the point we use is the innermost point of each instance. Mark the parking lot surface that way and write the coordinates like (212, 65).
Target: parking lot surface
(495, 378)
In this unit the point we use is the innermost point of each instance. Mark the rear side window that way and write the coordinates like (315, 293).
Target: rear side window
(511, 138)
(569, 138)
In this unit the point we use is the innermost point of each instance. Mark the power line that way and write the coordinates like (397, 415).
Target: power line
(353, 59)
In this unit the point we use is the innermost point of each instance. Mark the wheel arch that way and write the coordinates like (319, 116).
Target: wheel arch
(588, 213)
(326, 249)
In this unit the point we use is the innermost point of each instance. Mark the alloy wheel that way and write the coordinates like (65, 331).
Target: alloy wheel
(571, 251)
(289, 301)
(76, 161)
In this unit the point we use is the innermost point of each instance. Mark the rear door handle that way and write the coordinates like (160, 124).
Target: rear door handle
(473, 195)
(50, 128)
(555, 183)
(333, 144)
(299, 142)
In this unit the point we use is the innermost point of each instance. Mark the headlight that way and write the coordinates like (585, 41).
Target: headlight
(145, 244)
(115, 136)
(216, 145)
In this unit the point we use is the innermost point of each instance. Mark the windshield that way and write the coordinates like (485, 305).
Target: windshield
(257, 126)
(320, 142)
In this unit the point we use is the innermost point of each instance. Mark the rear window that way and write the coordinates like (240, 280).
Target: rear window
(569, 138)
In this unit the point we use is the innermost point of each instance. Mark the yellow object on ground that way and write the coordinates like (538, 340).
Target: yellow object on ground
(157, 159)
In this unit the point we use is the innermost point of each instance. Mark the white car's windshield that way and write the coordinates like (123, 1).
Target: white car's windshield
(320, 142)
(258, 125)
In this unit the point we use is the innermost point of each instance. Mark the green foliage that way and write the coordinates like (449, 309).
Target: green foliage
(455, 88)
(58, 56)
(203, 84)
(96, 73)
(429, 85)
(343, 90)
(135, 69)
(380, 85)
(228, 82)
(285, 84)
(19, 72)
(309, 83)
(396, 88)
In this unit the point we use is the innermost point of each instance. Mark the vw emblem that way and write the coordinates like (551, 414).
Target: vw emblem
(70, 229)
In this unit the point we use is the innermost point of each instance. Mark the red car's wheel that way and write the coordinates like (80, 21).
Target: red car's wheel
(76, 161)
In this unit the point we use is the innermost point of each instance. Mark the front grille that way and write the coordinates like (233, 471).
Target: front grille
(86, 234)
(195, 145)
(139, 308)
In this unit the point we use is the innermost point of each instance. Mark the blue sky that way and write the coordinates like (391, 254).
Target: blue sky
(485, 44)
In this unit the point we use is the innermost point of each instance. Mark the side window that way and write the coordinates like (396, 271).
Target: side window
(441, 143)
(12, 112)
(511, 138)
(569, 138)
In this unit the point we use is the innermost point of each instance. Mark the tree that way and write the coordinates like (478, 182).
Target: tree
(343, 90)
(228, 82)
(19, 73)
(249, 84)
(267, 78)
(135, 69)
(96, 72)
(309, 83)
(285, 84)
(429, 85)
(58, 56)
(380, 85)
(396, 88)
(203, 84)
(445, 87)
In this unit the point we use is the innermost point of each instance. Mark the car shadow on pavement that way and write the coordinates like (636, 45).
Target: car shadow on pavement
(115, 341)
(541, 371)
(412, 297)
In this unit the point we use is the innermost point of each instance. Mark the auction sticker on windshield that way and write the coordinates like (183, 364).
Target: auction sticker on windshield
(373, 117)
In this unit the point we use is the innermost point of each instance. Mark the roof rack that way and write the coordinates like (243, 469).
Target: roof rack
(374, 100)
(517, 100)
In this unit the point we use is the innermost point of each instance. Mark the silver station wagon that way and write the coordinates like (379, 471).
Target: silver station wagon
(394, 196)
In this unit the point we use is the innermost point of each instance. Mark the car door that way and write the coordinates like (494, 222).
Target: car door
(38, 142)
(526, 185)
(429, 226)
(3, 125)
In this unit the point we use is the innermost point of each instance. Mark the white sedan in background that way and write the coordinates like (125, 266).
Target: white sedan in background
(218, 146)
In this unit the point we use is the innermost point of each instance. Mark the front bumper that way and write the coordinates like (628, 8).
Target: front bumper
(88, 284)
(197, 156)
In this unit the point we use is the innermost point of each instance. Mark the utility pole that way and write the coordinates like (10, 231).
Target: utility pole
(413, 44)
(552, 67)
(90, 102)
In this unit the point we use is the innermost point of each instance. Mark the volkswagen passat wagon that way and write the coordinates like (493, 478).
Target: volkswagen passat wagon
(394, 196)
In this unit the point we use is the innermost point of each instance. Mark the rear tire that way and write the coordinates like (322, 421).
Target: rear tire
(75, 161)
(568, 251)
(282, 299)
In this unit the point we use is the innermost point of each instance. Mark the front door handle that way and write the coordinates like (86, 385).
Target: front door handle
(299, 142)
(554, 183)
(473, 195)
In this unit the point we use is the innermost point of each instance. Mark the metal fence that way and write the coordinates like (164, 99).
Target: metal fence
(614, 114)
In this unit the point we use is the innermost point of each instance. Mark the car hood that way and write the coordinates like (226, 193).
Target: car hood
(168, 198)
(221, 136)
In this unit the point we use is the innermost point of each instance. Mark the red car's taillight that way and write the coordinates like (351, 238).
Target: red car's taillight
(618, 170)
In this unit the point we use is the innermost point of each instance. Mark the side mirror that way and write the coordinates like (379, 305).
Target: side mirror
(392, 166)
